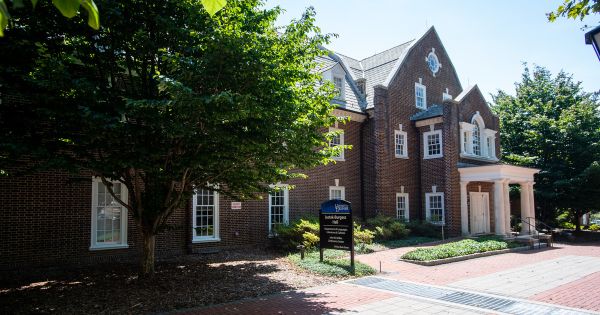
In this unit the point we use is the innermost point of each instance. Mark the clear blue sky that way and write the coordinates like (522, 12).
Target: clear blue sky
(487, 40)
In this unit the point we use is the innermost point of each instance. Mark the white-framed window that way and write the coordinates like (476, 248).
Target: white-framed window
(337, 192)
(434, 205)
(476, 140)
(337, 140)
(432, 141)
(400, 144)
(205, 216)
(420, 96)
(109, 217)
(338, 82)
(278, 207)
(402, 207)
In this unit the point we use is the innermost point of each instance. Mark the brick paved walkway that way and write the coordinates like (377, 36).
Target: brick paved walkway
(583, 293)
(583, 290)
(321, 300)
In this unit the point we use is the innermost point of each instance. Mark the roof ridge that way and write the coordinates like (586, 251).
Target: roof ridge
(337, 53)
(381, 52)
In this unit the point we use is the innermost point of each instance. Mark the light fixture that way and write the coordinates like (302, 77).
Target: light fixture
(593, 38)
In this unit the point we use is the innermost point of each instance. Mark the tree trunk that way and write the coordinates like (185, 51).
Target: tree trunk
(148, 254)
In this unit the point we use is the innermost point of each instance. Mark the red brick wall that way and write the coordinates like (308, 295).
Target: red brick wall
(415, 174)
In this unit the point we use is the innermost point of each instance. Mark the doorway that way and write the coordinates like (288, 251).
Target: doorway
(480, 212)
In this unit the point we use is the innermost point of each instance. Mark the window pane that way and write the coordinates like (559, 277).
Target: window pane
(476, 140)
(205, 211)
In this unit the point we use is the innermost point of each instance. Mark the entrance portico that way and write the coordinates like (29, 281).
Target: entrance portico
(501, 175)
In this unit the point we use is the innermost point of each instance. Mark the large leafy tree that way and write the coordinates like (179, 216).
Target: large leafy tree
(552, 124)
(575, 9)
(166, 99)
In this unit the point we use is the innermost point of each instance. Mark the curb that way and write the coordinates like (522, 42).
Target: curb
(467, 257)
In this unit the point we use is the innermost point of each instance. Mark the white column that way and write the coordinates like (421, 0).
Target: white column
(507, 206)
(531, 204)
(525, 208)
(499, 207)
(464, 210)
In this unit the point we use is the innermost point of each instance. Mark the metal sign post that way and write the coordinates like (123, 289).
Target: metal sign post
(336, 227)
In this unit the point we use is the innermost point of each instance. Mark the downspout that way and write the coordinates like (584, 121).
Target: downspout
(363, 213)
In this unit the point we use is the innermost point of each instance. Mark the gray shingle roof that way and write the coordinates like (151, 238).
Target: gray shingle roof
(433, 111)
(375, 69)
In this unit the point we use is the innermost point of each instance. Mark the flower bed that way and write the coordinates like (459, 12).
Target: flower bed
(459, 248)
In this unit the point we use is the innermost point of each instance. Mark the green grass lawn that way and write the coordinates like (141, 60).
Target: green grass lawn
(336, 263)
(459, 248)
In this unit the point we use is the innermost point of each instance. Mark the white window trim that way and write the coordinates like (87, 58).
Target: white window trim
(342, 95)
(94, 226)
(404, 154)
(342, 188)
(426, 154)
(206, 239)
(341, 157)
(417, 86)
(486, 155)
(428, 208)
(407, 210)
(286, 205)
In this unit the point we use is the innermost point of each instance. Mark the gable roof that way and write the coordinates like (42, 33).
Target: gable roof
(378, 69)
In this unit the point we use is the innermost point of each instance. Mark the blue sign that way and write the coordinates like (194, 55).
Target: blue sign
(335, 221)
(335, 206)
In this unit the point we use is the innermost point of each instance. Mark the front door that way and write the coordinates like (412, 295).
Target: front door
(480, 212)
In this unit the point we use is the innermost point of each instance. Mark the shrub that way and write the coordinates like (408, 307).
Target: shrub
(594, 227)
(567, 225)
(426, 229)
(362, 237)
(387, 228)
(300, 232)
(455, 249)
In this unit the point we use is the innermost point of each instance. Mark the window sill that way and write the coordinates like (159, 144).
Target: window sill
(339, 159)
(478, 158)
(107, 247)
(438, 223)
(427, 157)
(402, 157)
(205, 240)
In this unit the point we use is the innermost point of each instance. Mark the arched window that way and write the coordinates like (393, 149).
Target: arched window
(476, 140)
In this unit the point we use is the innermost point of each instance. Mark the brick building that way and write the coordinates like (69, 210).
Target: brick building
(423, 148)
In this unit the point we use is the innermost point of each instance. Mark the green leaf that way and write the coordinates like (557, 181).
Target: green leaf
(213, 6)
(93, 16)
(18, 4)
(4, 16)
(68, 8)
(34, 3)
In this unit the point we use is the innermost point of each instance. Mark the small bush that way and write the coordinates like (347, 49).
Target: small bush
(300, 232)
(362, 238)
(455, 249)
(425, 229)
(387, 228)
(594, 227)
(567, 225)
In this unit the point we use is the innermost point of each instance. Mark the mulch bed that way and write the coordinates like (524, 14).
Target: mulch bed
(189, 281)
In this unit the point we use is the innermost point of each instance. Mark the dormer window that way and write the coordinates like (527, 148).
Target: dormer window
(477, 142)
(362, 86)
(420, 95)
(339, 87)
